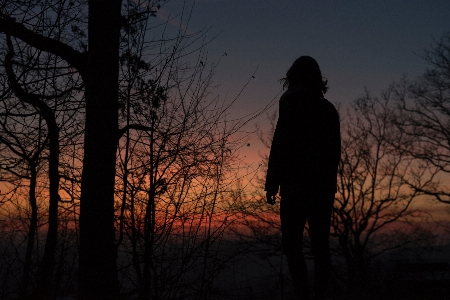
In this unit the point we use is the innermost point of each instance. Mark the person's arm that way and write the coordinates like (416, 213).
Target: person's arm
(337, 139)
(335, 146)
(275, 156)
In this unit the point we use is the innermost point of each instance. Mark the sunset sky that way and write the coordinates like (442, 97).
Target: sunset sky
(357, 43)
(173, 202)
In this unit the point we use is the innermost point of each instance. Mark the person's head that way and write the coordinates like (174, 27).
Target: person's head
(305, 71)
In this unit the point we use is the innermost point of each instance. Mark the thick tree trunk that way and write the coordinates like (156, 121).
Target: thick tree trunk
(97, 267)
(100, 71)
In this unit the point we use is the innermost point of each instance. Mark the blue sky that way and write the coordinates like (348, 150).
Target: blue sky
(357, 43)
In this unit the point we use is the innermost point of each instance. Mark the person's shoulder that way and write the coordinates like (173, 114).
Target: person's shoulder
(328, 105)
(291, 93)
(294, 98)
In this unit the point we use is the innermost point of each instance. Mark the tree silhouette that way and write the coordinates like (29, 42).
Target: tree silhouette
(424, 115)
(157, 149)
(35, 98)
(373, 210)
(21, 159)
(176, 152)
(97, 62)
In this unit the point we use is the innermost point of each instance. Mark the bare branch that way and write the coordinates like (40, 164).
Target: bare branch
(10, 27)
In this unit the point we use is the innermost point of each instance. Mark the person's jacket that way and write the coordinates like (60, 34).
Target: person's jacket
(306, 145)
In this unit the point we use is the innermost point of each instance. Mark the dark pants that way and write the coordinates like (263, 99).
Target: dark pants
(296, 209)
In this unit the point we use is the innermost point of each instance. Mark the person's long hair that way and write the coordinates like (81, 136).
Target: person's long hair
(305, 71)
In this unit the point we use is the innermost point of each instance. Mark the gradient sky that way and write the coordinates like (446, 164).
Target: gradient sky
(356, 43)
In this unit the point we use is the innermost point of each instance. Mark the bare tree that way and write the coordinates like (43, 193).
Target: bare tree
(373, 210)
(175, 159)
(40, 100)
(57, 27)
(21, 156)
(162, 189)
(424, 116)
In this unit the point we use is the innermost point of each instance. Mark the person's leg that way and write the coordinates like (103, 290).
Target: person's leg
(319, 221)
(292, 225)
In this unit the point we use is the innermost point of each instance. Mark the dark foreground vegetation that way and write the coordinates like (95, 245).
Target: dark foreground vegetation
(120, 175)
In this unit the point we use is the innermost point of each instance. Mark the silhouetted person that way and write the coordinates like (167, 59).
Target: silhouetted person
(303, 162)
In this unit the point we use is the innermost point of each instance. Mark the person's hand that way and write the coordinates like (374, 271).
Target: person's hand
(271, 196)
